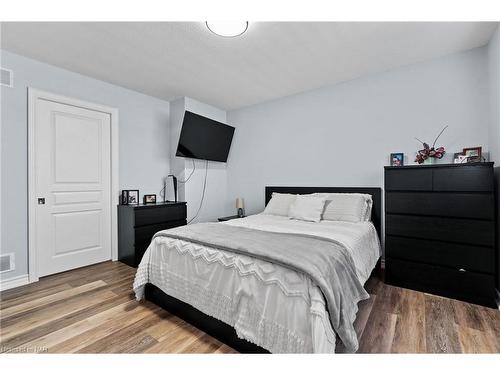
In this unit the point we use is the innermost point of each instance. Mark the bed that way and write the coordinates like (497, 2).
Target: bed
(256, 304)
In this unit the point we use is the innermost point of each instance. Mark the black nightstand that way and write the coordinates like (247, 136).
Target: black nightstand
(229, 218)
(137, 224)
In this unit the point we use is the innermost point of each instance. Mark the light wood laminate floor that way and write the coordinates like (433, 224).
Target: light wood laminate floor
(93, 310)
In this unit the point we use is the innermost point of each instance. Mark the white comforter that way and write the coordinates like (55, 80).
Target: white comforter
(276, 308)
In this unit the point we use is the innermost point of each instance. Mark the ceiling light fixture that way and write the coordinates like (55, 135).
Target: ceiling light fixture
(228, 29)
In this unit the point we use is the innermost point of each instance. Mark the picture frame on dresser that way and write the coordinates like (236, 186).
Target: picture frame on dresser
(473, 154)
(130, 197)
(440, 232)
(149, 199)
(397, 159)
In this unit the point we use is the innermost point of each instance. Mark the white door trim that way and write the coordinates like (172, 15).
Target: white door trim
(33, 96)
(14, 282)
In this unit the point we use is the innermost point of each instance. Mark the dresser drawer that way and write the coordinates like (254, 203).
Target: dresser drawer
(463, 178)
(408, 179)
(145, 233)
(467, 231)
(471, 286)
(457, 256)
(147, 216)
(137, 224)
(473, 206)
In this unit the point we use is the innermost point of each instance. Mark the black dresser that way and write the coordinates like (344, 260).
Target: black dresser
(440, 230)
(137, 225)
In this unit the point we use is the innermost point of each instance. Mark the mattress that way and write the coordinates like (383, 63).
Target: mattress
(269, 305)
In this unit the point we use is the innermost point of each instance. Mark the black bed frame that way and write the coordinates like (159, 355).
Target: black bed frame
(222, 331)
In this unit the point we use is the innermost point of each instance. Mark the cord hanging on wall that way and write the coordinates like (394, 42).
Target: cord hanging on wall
(163, 191)
(203, 193)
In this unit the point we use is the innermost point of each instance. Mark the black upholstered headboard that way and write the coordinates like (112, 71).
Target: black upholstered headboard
(376, 194)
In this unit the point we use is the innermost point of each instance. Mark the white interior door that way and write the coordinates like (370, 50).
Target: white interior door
(72, 184)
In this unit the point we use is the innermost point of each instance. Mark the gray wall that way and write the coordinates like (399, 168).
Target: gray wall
(342, 135)
(191, 191)
(337, 135)
(494, 76)
(494, 126)
(143, 136)
(216, 189)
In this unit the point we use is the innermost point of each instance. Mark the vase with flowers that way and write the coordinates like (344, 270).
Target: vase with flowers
(428, 154)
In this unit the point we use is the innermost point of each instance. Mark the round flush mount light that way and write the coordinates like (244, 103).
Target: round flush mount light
(228, 29)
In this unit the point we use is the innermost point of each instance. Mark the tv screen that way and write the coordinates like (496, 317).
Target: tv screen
(203, 138)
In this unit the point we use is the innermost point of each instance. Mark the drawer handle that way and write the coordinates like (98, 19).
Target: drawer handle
(462, 270)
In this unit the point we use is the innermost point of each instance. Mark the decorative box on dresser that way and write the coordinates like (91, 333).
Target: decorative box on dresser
(440, 230)
(137, 224)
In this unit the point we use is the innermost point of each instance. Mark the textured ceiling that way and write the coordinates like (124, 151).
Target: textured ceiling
(271, 60)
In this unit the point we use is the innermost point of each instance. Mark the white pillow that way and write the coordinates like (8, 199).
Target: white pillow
(279, 204)
(369, 205)
(352, 207)
(307, 208)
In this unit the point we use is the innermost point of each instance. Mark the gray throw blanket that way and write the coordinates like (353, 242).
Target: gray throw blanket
(326, 262)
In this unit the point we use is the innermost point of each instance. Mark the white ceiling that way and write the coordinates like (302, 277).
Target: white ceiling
(271, 60)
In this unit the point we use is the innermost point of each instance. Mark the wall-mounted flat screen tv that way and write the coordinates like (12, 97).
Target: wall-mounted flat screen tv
(203, 138)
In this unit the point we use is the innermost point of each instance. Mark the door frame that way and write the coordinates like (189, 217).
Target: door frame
(33, 96)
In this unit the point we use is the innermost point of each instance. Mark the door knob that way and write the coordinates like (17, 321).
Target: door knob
(41, 200)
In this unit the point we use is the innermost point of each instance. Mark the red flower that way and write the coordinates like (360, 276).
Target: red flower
(426, 153)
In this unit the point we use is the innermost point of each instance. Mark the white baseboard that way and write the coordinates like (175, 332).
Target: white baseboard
(14, 282)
